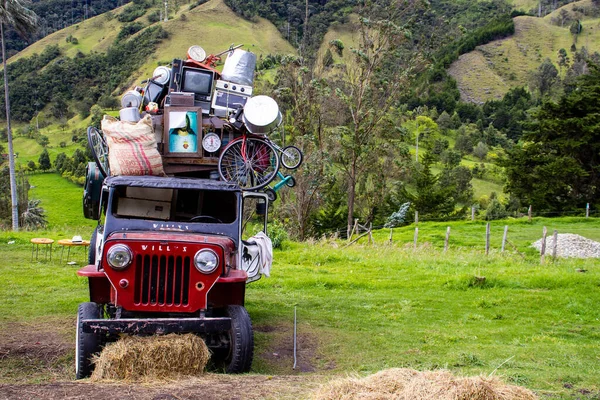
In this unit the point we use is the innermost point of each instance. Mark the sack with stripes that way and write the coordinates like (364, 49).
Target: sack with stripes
(132, 147)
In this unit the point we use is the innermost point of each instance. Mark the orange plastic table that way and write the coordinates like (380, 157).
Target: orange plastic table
(35, 247)
(68, 243)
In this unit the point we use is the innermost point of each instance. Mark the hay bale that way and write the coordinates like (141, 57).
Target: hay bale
(152, 358)
(408, 384)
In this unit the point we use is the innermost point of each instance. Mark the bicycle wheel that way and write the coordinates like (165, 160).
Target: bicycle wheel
(291, 157)
(99, 149)
(252, 163)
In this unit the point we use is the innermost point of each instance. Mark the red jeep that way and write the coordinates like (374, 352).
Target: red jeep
(168, 257)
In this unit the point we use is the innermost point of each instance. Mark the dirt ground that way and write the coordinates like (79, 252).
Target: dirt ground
(209, 387)
(36, 362)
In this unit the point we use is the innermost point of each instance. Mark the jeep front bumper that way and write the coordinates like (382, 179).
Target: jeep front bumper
(157, 326)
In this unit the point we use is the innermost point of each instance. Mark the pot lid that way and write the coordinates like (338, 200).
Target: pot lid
(261, 111)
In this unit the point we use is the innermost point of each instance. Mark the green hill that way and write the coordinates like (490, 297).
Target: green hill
(491, 70)
(212, 25)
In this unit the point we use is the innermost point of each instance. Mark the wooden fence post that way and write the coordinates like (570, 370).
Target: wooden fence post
(447, 239)
(504, 238)
(416, 218)
(391, 233)
(416, 237)
(529, 212)
(555, 245)
(472, 213)
(487, 239)
(543, 248)
(355, 227)
(371, 233)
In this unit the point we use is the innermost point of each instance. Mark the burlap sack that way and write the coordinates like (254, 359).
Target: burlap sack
(132, 147)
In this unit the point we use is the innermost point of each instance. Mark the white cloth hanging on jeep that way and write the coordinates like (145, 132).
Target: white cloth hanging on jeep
(257, 256)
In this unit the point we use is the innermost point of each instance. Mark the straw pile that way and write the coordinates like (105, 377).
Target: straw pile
(152, 358)
(408, 384)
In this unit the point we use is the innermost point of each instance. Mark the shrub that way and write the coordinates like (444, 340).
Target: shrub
(277, 234)
(398, 217)
(154, 16)
(133, 12)
(495, 210)
(129, 30)
(337, 45)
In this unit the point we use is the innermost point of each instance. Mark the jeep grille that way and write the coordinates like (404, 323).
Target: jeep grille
(162, 280)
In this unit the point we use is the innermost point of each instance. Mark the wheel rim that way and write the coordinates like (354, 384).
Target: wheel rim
(99, 149)
(291, 157)
(251, 163)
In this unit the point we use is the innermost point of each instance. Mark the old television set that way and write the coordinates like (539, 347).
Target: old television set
(200, 82)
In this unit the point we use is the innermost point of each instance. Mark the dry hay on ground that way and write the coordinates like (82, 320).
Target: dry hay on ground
(408, 384)
(152, 358)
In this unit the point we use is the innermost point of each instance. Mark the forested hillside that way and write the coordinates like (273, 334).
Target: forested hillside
(365, 90)
(55, 15)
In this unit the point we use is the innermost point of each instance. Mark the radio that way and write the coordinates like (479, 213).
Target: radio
(228, 97)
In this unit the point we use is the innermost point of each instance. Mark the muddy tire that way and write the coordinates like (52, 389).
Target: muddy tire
(86, 344)
(92, 247)
(241, 336)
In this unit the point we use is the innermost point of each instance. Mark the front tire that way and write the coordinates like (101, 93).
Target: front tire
(241, 341)
(86, 344)
(93, 246)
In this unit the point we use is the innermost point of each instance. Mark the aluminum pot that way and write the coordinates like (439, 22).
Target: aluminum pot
(261, 115)
(131, 114)
(131, 98)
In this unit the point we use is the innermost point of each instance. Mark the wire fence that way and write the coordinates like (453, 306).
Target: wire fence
(342, 233)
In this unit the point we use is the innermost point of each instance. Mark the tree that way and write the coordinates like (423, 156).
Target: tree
(13, 13)
(59, 162)
(545, 77)
(444, 121)
(481, 150)
(563, 59)
(35, 216)
(44, 161)
(557, 166)
(376, 79)
(431, 197)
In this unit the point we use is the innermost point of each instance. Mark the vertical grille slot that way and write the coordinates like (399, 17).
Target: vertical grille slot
(153, 279)
(162, 280)
(170, 280)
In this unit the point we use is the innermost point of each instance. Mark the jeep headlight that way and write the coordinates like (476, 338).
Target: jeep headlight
(119, 257)
(206, 261)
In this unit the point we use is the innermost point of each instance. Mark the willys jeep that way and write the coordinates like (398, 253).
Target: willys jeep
(168, 257)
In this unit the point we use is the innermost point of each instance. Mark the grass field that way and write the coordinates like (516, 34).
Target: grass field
(365, 307)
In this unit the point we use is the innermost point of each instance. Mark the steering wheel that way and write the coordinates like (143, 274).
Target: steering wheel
(99, 149)
(206, 217)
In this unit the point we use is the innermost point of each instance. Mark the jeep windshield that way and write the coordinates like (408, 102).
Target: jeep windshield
(173, 200)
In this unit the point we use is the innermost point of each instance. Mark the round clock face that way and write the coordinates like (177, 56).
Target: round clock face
(197, 53)
(211, 142)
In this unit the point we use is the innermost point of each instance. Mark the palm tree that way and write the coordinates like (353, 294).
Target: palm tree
(15, 14)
